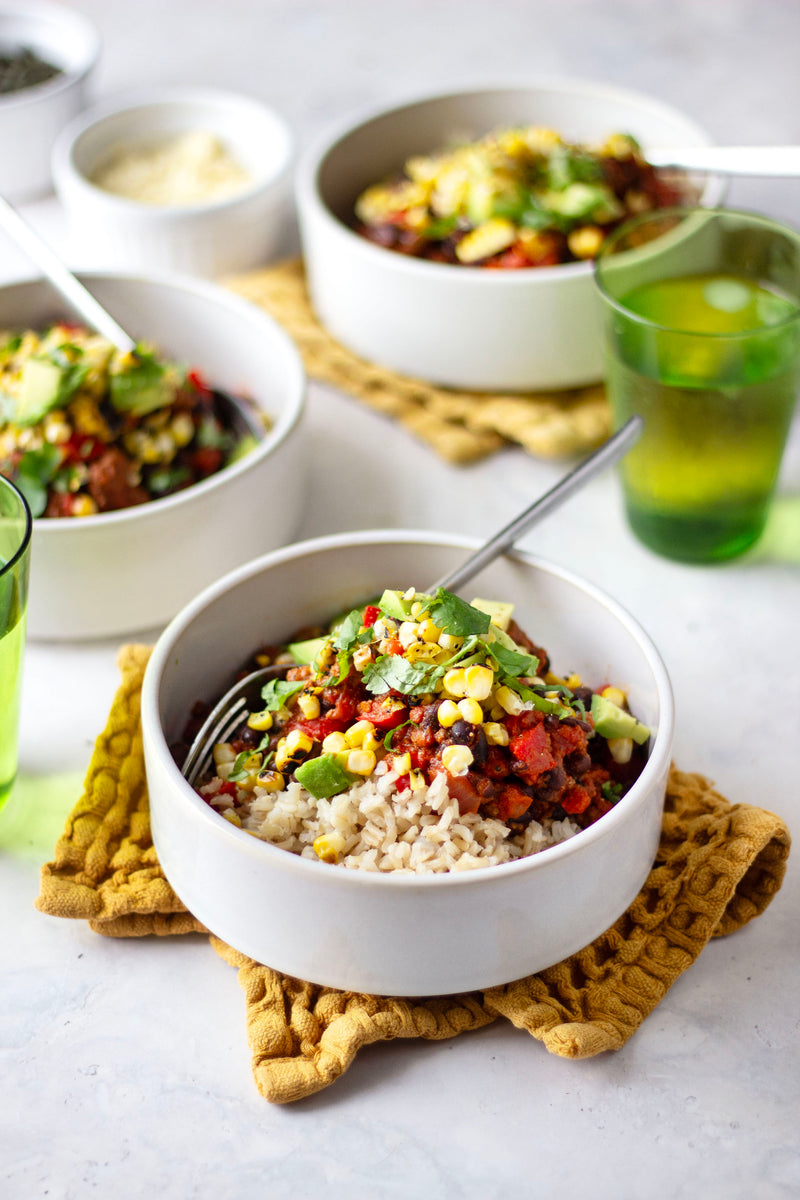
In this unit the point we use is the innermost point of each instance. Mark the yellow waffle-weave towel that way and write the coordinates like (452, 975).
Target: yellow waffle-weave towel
(718, 866)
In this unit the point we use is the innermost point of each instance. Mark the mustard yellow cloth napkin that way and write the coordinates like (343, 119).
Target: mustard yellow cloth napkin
(718, 866)
(461, 427)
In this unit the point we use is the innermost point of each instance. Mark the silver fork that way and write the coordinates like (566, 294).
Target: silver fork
(225, 717)
(246, 694)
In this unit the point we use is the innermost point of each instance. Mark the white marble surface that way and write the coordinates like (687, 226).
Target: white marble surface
(124, 1064)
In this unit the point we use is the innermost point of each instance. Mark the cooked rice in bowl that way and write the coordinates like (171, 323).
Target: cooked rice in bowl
(376, 827)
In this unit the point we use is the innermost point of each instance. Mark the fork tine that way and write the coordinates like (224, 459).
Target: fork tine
(223, 719)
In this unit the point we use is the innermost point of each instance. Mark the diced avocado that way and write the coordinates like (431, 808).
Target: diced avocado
(146, 386)
(306, 652)
(611, 721)
(324, 776)
(499, 611)
(40, 390)
(394, 605)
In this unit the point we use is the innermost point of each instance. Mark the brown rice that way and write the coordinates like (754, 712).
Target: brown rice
(375, 827)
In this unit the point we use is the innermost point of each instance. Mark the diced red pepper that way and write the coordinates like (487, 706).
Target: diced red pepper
(371, 614)
(206, 460)
(81, 448)
(395, 646)
(532, 747)
(576, 800)
(199, 384)
(513, 803)
(385, 712)
(228, 788)
(318, 728)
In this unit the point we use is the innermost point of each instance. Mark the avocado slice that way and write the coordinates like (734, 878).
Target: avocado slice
(393, 604)
(324, 776)
(611, 721)
(146, 386)
(40, 390)
(307, 651)
(498, 611)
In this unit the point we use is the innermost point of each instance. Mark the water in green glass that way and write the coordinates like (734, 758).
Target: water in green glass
(717, 409)
(12, 645)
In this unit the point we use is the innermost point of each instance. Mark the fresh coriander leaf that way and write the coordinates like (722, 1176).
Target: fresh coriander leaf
(35, 471)
(349, 629)
(392, 672)
(512, 662)
(276, 692)
(168, 478)
(612, 792)
(238, 771)
(387, 741)
(455, 616)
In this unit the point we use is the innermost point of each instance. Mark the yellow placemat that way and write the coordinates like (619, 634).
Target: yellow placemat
(718, 866)
(459, 426)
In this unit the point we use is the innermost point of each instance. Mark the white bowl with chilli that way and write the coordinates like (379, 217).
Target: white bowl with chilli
(532, 322)
(104, 564)
(374, 926)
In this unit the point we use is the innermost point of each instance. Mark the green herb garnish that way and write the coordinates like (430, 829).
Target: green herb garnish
(276, 692)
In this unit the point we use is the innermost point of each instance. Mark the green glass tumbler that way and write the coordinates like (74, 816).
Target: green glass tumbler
(16, 525)
(701, 322)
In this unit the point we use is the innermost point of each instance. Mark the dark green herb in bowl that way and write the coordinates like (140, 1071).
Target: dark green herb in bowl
(23, 68)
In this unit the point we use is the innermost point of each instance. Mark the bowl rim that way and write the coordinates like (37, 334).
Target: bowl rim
(288, 862)
(275, 437)
(141, 99)
(51, 13)
(310, 200)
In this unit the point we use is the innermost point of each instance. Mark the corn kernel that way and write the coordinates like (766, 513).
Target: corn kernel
(223, 753)
(328, 846)
(361, 762)
(362, 657)
(417, 609)
(586, 241)
(449, 641)
(509, 701)
(407, 633)
(83, 506)
(496, 734)
(480, 681)
(423, 652)
(455, 682)
(292, 748)
(615, 695)
(253, 762)
(620, 749)
(263, 660)
(260, 721)
(402, 764)
(233, 817)
(182, 428)
(456, 759)
(416, 780)
(371, 742)
(471, 711)
(270, 781)
(409, 593)
(298, 739)
(428, 631)
(354, 736)
(309, 705)
(447, 713)
(334, 743)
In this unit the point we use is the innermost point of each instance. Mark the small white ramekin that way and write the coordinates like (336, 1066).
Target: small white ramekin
(237, 233)
(31, 119)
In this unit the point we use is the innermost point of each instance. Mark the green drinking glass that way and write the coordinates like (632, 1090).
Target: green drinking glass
(15, 544)
(701, 316)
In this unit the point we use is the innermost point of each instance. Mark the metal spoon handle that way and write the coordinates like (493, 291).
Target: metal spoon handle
(62, 279)
(777, 162)
(607, 454)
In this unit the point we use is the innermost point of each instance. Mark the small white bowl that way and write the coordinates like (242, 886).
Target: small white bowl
(120, 572)
(31, 118)
(221, 237)
(398, 934)
(464, 327)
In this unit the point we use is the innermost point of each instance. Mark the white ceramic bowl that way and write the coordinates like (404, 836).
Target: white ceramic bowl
(464, 327)
(398, 934)
(214, 239)
(31, 119)
(119, 572)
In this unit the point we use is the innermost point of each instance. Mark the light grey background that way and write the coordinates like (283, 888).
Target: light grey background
(125, 1067)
